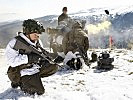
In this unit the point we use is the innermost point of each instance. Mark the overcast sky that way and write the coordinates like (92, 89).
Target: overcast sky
(24, 9)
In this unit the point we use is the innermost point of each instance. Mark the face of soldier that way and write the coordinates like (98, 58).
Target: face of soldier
(65, 12)
(34, 36)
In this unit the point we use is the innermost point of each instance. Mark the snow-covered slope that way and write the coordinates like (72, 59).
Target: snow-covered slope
(121, 19)
(85, 84)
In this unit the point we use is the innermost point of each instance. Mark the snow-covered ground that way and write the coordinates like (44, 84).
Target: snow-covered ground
(85, 84)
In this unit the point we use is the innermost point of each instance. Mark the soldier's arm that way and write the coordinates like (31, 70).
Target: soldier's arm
(84, 37)
(86, 43)
(13, 57)
(59, 19)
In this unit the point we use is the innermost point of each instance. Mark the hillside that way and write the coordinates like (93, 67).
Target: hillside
(120, 19)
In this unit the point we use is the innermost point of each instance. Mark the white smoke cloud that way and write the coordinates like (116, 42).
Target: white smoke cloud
(100, 33)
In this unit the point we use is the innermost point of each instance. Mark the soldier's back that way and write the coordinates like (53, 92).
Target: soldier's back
(62, 17)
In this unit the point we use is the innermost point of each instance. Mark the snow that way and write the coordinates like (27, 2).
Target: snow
(84, 84)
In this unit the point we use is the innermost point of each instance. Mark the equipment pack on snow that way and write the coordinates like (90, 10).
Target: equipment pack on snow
(104, 61)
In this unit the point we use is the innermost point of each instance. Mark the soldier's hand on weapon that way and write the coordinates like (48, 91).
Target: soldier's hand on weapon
(22, 51)
(33, 58)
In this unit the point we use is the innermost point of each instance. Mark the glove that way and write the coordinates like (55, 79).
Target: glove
(22, 51)
(33, 58)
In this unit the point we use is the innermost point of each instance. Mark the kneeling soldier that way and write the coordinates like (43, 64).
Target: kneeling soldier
(27, 68)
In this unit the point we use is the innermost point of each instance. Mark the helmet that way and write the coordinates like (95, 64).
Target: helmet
(31, 26)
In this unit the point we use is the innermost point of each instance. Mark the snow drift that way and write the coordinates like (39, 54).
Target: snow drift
(85, 84)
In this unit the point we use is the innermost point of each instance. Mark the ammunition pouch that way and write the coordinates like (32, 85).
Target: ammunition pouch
(14, 72)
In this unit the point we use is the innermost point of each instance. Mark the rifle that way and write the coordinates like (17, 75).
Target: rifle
(24, 45)
(45, 52)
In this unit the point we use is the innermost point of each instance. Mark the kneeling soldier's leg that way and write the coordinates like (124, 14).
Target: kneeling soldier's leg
(32, 84)
(46, 71)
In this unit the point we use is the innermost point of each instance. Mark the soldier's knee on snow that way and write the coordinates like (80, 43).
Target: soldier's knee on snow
(42, 91)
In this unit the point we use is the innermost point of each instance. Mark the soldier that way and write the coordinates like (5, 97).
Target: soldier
(56, 45)
(63, 15)
(27, 68)
(76, 41)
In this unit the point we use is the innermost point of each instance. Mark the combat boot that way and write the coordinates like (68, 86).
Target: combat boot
(15, 85)
(78, 64)
(71, 63)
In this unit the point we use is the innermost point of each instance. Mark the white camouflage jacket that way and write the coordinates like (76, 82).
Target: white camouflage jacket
(15, 59)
